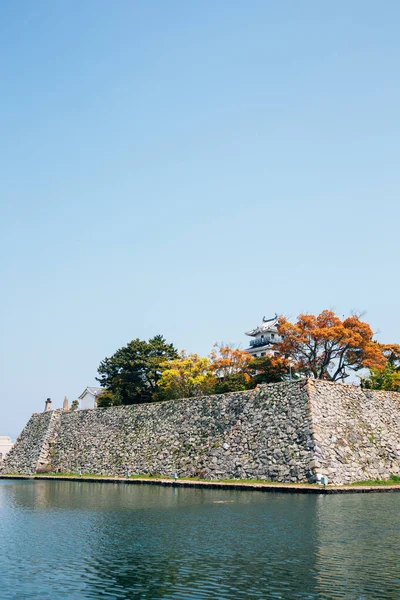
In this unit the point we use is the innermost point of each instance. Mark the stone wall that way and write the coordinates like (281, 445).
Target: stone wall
(285, 432)
(357, 432)
(263, 433)
(26, 452)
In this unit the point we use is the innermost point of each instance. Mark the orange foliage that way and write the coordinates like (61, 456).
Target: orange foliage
(226, 361)
(392, 354)
(325, 347)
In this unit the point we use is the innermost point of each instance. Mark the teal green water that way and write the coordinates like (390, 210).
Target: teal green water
(95, 540)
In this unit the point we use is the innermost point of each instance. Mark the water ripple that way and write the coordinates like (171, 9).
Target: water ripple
(96, 541)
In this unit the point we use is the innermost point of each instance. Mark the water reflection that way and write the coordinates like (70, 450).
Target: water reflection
(358, 546)
(90, 540)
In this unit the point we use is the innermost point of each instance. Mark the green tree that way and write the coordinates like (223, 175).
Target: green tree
(234, 382)
(133, 372)
(270, 369)
(387, 379)
(74, 405)
(107, 398)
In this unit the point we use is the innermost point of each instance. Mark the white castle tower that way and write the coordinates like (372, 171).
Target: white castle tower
(265, 336)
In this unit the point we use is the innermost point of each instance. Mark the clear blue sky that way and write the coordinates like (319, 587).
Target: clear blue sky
(185, 168)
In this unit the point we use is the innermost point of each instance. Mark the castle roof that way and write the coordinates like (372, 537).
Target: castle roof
(266, 325)
(95, 391)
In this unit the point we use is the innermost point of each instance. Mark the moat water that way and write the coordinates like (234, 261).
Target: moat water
(95, 540)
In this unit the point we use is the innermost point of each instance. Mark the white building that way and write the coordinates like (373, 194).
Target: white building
(88, 399)
(265, 336)
(5, 446)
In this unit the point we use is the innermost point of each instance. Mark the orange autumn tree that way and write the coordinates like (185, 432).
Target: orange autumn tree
(325, 347)
(231, 367)
(391, 352)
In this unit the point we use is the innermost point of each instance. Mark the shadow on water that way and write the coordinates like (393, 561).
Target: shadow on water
(93, 540)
